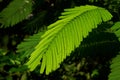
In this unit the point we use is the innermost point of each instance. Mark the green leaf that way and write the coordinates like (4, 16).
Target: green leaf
(116, 29)
(24, 76)
(115, 69)
(15, 12)
(66, 34)
(27, 47)
(115, 66)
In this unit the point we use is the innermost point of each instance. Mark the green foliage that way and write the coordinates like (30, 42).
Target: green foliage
(78, 34)
(16, 11)
(27, 47)
(115, 66)
(93, 0)
(7, 60)
(116, 29)
(115, 69)
(63, 36)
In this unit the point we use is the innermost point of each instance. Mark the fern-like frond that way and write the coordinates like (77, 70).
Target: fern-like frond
(116, 29)
(27, 47)
(115, 69)
(15, 12)
(115, 66)
(66, 34)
